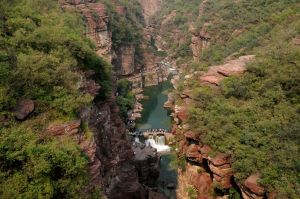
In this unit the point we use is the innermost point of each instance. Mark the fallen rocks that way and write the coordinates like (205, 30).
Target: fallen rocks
(24, 108)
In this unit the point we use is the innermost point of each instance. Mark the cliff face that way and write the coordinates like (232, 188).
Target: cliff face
(124, 61)
(150, 7)
(96, 21)
(111, 157)
(199, 42)
(111, 154)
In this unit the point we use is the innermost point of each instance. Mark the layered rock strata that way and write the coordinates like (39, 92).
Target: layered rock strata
(96, 21)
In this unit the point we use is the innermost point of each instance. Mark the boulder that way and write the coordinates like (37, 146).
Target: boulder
(24, 108)
(171, 100)
(251, 184)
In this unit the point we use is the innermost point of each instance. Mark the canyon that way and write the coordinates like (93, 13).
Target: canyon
(149, 99)
(115, 170)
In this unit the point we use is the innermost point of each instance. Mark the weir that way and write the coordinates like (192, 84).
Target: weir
(158, 142)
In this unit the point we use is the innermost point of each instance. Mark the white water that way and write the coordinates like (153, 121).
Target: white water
(158, 143)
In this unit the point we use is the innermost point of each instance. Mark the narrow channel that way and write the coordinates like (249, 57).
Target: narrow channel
(155, 116)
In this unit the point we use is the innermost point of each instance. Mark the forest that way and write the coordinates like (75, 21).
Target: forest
(42, 55)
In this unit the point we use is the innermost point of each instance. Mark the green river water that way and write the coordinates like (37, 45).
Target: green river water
(154, 115)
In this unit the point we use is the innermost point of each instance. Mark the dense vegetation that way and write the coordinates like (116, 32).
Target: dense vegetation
(175, 25)
(125, 29)
(42, 54)
(254, 118)
(125, 98)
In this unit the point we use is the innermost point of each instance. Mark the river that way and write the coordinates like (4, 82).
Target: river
(155, 116)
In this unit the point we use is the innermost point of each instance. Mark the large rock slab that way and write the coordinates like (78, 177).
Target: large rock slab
(68, 128)
(216, 74)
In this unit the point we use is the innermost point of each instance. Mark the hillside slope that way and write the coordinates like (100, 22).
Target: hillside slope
(249, 113)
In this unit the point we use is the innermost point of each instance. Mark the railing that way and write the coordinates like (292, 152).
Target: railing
(152, 131)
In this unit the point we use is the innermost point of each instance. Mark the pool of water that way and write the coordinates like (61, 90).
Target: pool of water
(155, 116)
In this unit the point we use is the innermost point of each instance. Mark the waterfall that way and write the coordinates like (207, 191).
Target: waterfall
(137, 140)
(158, 142)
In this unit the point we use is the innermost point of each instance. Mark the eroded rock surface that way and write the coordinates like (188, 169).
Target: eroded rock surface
(199, 42)
(125, 62)
(251, 189)
(96, 21)
(150, 7)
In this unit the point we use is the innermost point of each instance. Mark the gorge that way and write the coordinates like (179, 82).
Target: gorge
(149, 99)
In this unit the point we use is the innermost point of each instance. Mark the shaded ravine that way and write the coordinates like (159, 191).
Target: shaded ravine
(155, 116)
